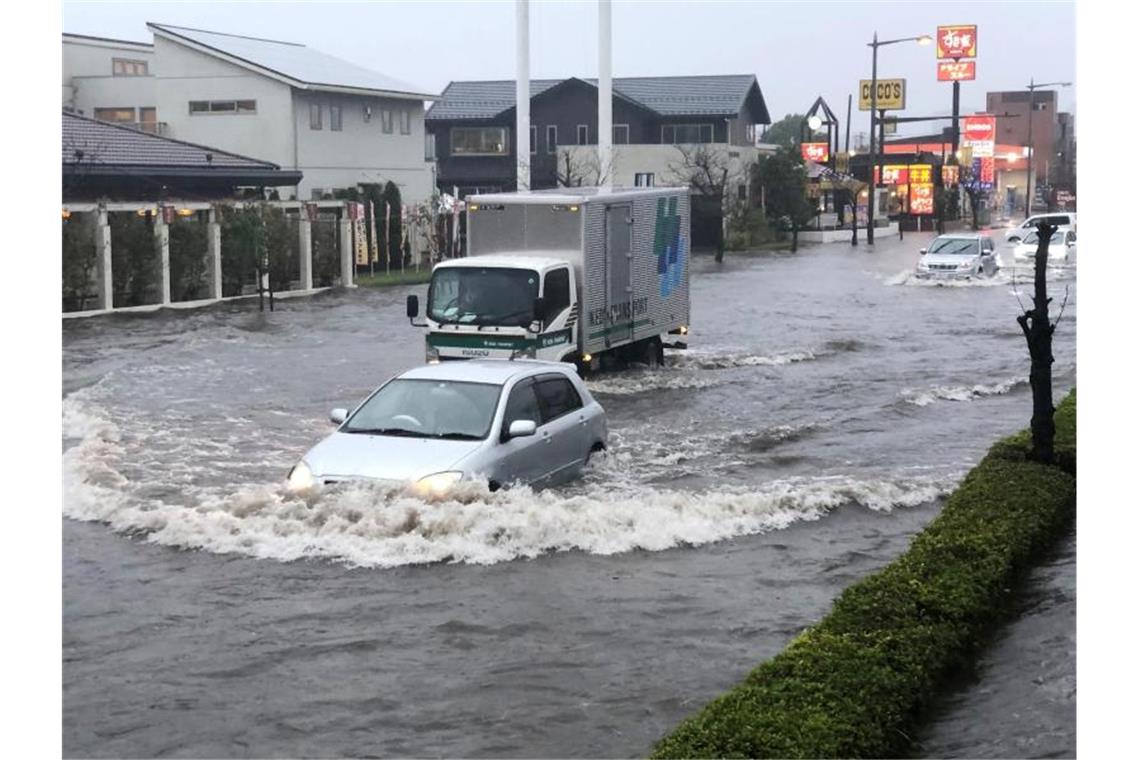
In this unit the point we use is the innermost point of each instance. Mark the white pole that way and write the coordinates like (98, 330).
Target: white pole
(605, 96)
(522, 92)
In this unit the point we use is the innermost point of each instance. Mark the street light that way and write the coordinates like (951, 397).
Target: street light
(1029, 165)
(875, 44)
(815, 123)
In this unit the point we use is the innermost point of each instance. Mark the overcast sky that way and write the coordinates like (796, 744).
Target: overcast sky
(797, 51)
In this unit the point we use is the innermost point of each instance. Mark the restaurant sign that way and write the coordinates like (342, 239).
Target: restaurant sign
(957, 71)
(957, 41)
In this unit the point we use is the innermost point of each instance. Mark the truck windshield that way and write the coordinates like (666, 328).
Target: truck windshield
(483, 296)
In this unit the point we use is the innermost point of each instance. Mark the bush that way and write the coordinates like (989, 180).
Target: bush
(326, 253)
(134, 259)
(188, 249)
(80, 258)
(747, 227)
(851, 685)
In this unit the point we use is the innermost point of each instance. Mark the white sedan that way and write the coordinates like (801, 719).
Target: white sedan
(1062, 248)
(1061, 219)
(494, 421)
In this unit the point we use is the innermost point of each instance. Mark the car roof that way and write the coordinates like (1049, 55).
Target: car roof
(495, 371)
(962, 236)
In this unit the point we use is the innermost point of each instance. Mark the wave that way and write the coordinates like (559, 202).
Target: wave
(925, 397)
(381, 525)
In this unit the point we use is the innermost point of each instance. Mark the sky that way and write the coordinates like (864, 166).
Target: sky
(798, 51)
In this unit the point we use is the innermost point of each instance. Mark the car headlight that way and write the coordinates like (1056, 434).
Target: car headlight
(301, 477)
(431, 354)
(437, 484)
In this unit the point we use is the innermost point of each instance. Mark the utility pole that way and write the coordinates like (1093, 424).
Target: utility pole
(605, 95)
(522, 92)
(1029, 164)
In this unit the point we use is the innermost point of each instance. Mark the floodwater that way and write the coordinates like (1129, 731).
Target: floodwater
(827, 404)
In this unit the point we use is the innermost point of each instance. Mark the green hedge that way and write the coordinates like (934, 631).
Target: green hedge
(855, 683)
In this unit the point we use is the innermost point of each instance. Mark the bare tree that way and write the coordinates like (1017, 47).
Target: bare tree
(1039, 336)
(576, 167)
(710, 172)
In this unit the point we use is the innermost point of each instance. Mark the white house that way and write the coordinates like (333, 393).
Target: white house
(110, 80)
(338, 123)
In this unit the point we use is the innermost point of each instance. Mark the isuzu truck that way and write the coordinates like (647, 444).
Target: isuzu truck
(587, 275)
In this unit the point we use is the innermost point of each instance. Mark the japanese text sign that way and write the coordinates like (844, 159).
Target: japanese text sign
(957, 71)
(957, 42)
(814, 151)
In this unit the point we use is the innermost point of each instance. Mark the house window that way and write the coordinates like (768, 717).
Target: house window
(583, 134)
(678, 134)
(621, 134)
(315, 116)
(405, 122)
(367, 114)
(644, 179)
(533, 139)
(123, 67)
(429, 146)
(335, 122)
(115, 114)
(552, 139)
(480, 141)
(386, 121)
(201, 107)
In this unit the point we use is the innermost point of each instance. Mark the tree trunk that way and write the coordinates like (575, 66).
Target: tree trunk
(1039, 335)
(795, 235)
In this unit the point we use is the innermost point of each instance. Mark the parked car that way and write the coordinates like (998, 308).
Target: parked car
(496, 421)
(1063, 220)
(1062, 248)
(957, 257)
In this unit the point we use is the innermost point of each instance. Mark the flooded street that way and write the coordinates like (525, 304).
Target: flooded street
(826, 405)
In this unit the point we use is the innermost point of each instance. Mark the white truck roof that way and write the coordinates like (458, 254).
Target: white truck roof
(537, 262)
(576, 195)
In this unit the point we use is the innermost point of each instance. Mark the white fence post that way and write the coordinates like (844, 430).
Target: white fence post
(162, 250)
(104, 282)
(306, 250)
(213, 254)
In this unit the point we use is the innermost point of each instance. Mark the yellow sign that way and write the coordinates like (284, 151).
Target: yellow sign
(891, 94)
(920, 174)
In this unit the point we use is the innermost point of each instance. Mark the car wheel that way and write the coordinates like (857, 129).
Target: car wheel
(1015, 240)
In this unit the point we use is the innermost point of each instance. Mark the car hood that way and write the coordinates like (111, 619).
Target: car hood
(942, 259)
(360, 455)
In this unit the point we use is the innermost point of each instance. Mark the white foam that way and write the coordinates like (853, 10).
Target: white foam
(925, 397)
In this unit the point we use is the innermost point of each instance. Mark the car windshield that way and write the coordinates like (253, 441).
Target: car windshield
(1031, 238)
(954, 246)
(428, 409)
(483, 296)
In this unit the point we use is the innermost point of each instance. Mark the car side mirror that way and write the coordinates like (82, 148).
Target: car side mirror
(922, 251)
(522, 429)
(413, 307)
(338, 416)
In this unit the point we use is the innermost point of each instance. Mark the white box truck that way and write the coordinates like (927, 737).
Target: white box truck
(588, 275)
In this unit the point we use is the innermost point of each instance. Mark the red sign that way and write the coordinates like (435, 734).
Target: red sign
(922, 198)
(957, 42)
(949, 175)
(987, 169)
(978, 133)
(814, 151)
(957, 71)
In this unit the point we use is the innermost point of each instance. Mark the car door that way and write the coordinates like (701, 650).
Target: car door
(565, 421)
(525, 459)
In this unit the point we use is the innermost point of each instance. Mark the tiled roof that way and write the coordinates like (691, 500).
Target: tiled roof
(307, 68)
(104, 144)
(667, 96)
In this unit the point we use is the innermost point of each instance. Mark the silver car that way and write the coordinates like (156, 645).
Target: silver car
(495, 421)
(957, 257)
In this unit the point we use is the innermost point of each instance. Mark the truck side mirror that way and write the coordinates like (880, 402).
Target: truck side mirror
(540, 310)
(413, 307)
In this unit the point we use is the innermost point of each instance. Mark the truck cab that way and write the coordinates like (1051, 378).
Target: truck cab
(502, 306)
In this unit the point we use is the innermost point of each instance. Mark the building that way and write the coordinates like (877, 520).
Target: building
(334, 122)
(471, 130)
(117, 162)
(1054, 138)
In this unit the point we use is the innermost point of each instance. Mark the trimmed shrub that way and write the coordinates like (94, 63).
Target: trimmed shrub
(188, 250)
(854, 683)
(79, 262)
(134, 259)
(326, 252)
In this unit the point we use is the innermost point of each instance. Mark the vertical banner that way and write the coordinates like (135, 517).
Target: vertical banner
(372, 226)
(387, 236)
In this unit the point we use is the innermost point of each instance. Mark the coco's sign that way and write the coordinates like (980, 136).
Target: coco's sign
(890, 94)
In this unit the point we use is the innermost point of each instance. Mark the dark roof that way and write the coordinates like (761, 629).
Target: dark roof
(104, 143)
(722, 95)
(302, 66)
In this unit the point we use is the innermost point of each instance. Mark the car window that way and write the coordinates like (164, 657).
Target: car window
(522, 404)
(1071, 237)
(556, 293)
(987, 244)
(556, 396)
(1061, 219)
